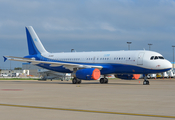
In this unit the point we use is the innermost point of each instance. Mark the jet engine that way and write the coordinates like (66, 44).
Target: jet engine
(88, 74)
(128, 76)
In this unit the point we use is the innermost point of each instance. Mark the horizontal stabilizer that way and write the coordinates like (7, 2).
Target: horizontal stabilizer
(5, 59)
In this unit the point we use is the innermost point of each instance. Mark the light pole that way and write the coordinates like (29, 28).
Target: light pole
(10, 64)
(129, 45)
(173, 56)
(150, 46)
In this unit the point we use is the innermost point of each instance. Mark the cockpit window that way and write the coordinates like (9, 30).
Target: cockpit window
(160, 57)
(156, 57)
(152, 58)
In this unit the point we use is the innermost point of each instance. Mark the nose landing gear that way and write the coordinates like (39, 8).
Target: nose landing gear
(145, 82)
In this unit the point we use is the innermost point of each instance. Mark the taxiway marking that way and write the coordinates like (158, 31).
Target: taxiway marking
(91, 111)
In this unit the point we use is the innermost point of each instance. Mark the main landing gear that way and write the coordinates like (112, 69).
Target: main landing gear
(76, 80)
(145, 82)
(104, 80)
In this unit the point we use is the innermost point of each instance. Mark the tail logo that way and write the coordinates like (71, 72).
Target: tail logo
(36, 40)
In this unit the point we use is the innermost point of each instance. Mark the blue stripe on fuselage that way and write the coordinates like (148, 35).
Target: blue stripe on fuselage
(110, 68)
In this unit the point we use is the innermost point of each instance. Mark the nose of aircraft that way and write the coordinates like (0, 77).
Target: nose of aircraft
(168, 64)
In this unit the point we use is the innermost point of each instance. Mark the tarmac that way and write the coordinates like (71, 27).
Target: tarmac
(62, 100)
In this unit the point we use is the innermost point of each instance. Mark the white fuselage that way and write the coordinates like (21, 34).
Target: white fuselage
(140, 58)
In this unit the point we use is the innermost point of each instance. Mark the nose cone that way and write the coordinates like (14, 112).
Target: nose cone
(167, 64)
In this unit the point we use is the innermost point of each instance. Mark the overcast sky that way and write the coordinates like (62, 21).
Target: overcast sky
(87, 25)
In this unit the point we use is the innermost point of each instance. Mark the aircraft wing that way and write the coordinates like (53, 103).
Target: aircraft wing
(69, 66)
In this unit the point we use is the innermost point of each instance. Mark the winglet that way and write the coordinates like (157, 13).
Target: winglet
(5, 58)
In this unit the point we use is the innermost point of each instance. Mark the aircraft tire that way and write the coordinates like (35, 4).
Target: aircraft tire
(145, 82)
(78, 81)
(102, 80)
(74, 81)
(106, 80)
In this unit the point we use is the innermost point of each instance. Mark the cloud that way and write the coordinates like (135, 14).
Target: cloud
(107, 26)
(60, 24)
(88, 25)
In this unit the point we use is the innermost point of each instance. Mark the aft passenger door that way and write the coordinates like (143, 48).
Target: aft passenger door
(140, 58)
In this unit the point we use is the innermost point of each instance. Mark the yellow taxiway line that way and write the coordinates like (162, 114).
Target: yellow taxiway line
(92, 111)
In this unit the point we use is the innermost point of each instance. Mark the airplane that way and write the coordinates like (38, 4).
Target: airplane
(91, 65)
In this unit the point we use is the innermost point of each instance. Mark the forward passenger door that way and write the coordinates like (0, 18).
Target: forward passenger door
(140, 58)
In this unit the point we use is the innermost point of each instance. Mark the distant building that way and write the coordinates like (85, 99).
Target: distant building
(14, 73)
(33, 69)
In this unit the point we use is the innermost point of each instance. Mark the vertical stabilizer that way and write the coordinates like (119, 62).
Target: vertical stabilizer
(34, 44)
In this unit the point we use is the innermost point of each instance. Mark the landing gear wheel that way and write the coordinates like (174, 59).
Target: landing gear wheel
(76, 81)
(145, 82)
(102, 80)
(106, 80)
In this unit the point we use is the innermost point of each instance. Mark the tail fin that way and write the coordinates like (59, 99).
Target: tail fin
(34, 44)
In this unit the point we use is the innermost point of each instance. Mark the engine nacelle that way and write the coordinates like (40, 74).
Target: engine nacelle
(88, 74)
(128, 76)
